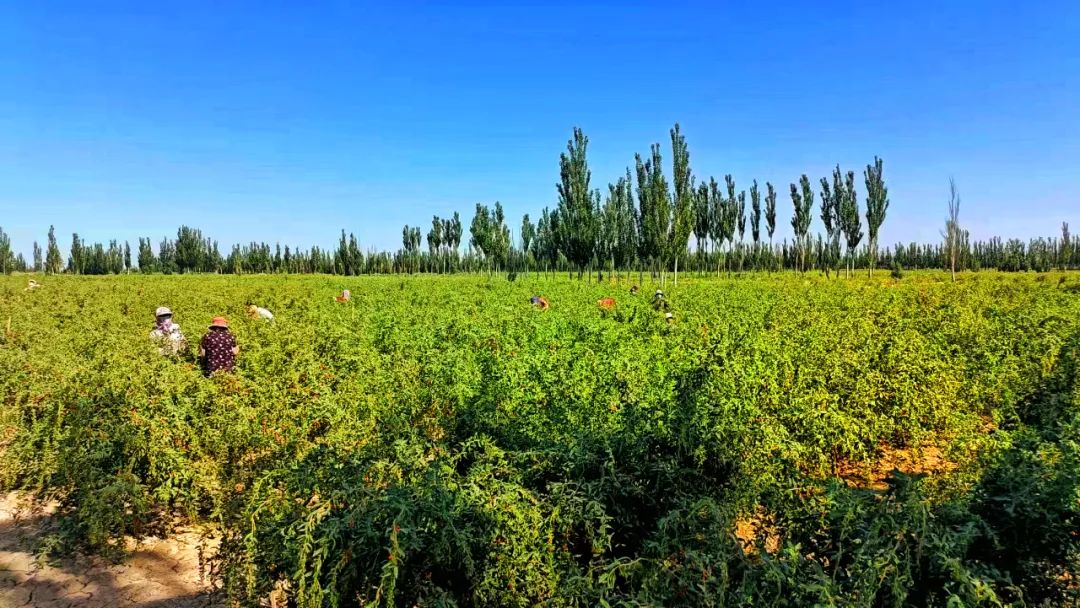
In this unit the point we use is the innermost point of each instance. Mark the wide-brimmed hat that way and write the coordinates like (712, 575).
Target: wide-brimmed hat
(221, 322)
(163, 311)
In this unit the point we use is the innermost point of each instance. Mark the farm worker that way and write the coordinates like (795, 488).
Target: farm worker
(606, 303)
(539, 302)
(634, 290)
(669, 317)
(218, 348)
(659, 303)
(344, 297)
(256, 312)
(167, 333)
(32, 285)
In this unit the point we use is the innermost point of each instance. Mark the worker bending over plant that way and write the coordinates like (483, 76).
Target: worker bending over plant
(218, 348)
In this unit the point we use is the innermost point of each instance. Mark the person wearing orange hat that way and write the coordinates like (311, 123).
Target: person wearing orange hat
(218, 348)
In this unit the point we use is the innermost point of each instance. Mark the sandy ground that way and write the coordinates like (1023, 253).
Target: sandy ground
(159, 573)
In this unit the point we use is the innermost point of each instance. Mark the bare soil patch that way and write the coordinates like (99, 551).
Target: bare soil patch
(923, 460)
(158, 573)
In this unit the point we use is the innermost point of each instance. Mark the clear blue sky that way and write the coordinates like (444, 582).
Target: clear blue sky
(287, 121)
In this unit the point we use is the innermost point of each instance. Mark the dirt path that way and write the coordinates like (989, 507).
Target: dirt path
(159, 573)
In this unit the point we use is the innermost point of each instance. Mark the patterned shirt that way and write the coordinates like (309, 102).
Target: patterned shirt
(169, 336)
(219, 346)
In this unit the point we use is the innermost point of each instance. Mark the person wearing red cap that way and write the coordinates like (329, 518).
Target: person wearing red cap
(218, 348)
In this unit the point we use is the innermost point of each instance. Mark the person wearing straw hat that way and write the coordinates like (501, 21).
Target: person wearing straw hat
(166, 333)
(258, 312)
(218, 348)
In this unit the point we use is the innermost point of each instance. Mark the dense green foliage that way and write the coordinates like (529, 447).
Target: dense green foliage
(438, 441)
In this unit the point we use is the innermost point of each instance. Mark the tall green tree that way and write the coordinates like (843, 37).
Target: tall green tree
(1066, 246)
(528, 236)
(190, 249)
(953, 233)
(7, 259)
(828, 253)
(717, 219)
(802, 198)
(755, 213)
(682, 202)
(577, 202)
(770, 216)
(627, 242)
(147, 260)
(435, 239)
(701, 219)
(740, 211)
(877, 203)
(731, 214)
(76, 257)
(53, 260)
(850, 219)
(654, 211)
(39, 265)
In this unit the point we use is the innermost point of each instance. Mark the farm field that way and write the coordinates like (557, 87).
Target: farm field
(786, 441)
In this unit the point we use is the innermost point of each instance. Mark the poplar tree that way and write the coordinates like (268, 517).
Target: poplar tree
(830, 217)
(802, 198)
(7, 260)
(1066, 246)
(75, 257)
(770, 216)
(682, 203)
(731, 216)
(435, 240)
(755, 213)
(877, 203)
(850, 220)
(717, 220)
(577, 202)
(38, 264)
(147, 261)
(627, 247)
(653, 204)
(53, 259)
(952, 232)
(740, 211)
(701, 218)
(770, 210)
(528, 237)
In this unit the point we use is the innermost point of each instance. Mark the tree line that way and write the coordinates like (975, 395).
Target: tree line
(641, 222)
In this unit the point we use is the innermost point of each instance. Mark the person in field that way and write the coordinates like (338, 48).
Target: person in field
(218, 348)
(659, 302)
(539, 302)
(344, 297)
(257, 312)
(32, 285)
(166, 333)
(634, 290)
(606, 303)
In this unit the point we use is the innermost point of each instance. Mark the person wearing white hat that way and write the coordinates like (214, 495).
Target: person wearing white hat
(167, 333)
(659, 302)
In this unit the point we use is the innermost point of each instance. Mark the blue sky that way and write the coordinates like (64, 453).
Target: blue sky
(287, 121)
